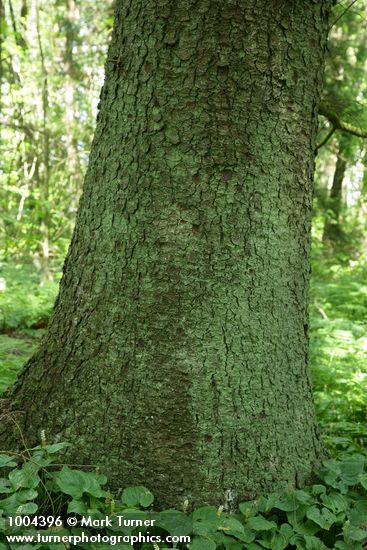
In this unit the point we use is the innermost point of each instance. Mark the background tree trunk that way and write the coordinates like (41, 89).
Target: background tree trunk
(2, 33)
(333, 232)
(70, 69)
(177, 356)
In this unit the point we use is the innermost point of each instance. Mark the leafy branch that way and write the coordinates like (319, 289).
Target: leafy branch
(338, 124)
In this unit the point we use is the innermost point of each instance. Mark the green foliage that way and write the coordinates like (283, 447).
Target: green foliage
(51, 72)
(24, 303)
(339, 347)
(329, 514)
(13, 353)
(340, 211)
(25, 306)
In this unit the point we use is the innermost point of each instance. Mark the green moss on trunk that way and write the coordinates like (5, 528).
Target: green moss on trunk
(177, 354)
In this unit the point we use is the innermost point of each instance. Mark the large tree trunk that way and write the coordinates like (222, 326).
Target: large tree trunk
(177, 356)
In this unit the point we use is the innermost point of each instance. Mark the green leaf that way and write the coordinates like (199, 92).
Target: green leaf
(221, 539)
(233, 545)
(259, 523)
(77, 507)
(303, 497)
(341, 545)
(7, 461)
(352, 469)
(262, 503)
(267, 504)
(27, 508)
(313, 543)
(248, 508)
(205, 513)
(360, 508)
(298, 541)
(5, 486)
(286, 530)
(10, 504)
(279, 542)
(231, 526)
(274, 541)
(199, 543)
(175, 522)
(75, 483)
(96, 504)
(206, 520)
(318, 489)
(297, 516)
(205, 528)
(355, 533)
(56, 447)
(323, 518)
(306, 528)
(335, 501)
(137, 496)
(332, 465)
(362, 478)
(51, 449)
(26, 477)
(287, 502)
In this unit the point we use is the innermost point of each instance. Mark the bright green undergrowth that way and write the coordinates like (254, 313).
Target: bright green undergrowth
(331, 513)
(13, 353)
(339, 347)
(25, 308)
(24, 302)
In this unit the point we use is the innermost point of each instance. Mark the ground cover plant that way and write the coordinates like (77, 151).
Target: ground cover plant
(339, 347)
(330, 513)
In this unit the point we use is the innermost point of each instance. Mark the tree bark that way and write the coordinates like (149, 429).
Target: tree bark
(177, 356)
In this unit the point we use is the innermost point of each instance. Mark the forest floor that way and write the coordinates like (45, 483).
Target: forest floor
(338, 342)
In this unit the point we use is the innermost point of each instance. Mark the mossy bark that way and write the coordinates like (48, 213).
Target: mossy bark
(177, 356)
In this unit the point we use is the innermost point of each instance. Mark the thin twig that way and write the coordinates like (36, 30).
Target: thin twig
(343, 13)
(19, 430)
(326, 138)
(339, 124)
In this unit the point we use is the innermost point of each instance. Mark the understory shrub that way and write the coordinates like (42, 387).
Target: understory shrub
(24, 303)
